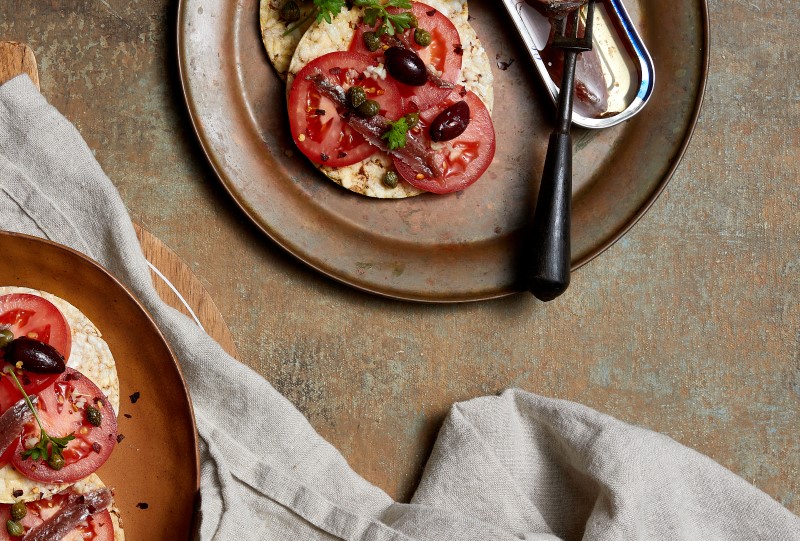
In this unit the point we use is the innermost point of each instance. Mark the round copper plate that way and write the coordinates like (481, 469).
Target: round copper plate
(154, 470)
(461, 247)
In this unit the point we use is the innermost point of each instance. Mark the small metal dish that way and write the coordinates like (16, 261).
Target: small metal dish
(627, 68)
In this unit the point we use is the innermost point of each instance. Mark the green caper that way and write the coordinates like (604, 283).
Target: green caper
(18, 511)
(290, 11)
(369, 108)
(6, 336)
(56, 461)
(412, 119)
(412, 20)
(356, 96)
(422, 37)
(372, 41)
(14, 528)
(391, 179)
(94, 416)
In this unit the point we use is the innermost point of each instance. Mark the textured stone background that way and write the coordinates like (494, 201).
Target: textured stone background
(689, 326)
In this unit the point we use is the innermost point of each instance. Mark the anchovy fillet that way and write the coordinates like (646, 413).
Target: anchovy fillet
(415, 153)
(13, 421)
(77, 508)
(331, 90)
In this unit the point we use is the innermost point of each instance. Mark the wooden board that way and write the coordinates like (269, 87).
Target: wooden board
(188, 296)
(16, 58)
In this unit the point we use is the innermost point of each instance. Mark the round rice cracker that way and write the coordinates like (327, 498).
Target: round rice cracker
(280, 46)
(84, 486)
(366, 177)
(89, 355)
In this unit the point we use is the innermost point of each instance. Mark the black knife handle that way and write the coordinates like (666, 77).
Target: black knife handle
(550, 262)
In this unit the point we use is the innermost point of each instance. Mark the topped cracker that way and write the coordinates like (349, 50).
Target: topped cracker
(91, 356)
(366, 177)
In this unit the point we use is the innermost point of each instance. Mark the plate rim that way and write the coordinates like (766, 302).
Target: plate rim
(601, 247)
(97, 266)
(679, 155)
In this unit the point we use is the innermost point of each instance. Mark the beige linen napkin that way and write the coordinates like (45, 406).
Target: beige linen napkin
(515, 466)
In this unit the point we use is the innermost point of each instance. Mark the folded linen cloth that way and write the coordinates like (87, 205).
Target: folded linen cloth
(514, 466)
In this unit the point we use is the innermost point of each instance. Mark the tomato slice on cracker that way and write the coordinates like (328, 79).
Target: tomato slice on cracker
(464, 158)
(97, 527)
(30, 315)
(443, 54)
(65, 409)
(316, 122)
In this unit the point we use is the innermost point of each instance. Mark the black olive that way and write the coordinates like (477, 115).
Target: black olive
(450, 123)
(35, 356)
(405, 66)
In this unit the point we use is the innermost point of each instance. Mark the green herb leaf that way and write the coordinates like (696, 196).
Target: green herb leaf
(371, 16)
(324, 10)
(328, 9)
(47, 446)
(62, 442)
(401, 21)
(393, 23)
(395, 136)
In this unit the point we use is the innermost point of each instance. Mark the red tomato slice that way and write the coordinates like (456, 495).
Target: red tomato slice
(30, 315)
(463, 159)
(444, 53)
(98, 527)
(6, 457)
(31, 382)
(62, 409)
(317, 127)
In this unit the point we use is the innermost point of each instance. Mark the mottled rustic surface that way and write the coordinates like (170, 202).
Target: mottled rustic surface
(689, 326)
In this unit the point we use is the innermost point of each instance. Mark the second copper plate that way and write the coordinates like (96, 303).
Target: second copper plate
(464, 246)
(154, 470)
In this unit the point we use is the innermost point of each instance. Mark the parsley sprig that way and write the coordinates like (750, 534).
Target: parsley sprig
(49, 448)
(393, 23)
(395, 136)
(324, 10)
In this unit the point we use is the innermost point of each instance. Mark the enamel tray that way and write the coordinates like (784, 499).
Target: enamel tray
(627, 67)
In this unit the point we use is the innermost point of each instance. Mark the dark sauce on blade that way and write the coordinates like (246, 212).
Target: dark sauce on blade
(591, 91)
